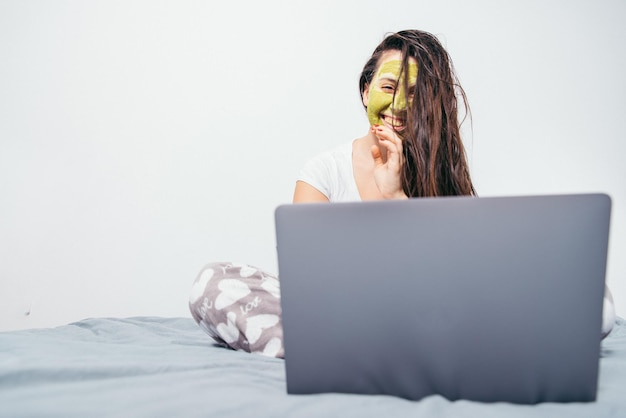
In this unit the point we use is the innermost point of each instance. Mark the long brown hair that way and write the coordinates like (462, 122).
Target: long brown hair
(435, 163)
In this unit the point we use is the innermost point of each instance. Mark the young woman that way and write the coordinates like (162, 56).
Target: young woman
(412, 149)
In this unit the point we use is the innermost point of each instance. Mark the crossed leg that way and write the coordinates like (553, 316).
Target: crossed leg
(239, 307)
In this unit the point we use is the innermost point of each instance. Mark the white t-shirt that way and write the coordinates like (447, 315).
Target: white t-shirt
(331, 173)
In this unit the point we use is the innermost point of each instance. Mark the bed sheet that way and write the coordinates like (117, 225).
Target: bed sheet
(153, 367)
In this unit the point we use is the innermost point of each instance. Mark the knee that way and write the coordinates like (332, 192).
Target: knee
(238, 305)
(608, 313)
(221, 284)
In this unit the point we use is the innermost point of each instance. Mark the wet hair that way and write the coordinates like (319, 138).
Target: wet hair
(435, 162)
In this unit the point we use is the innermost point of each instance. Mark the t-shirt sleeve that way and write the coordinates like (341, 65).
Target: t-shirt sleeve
(318, 172)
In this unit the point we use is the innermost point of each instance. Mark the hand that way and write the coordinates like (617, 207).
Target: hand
(387, 174)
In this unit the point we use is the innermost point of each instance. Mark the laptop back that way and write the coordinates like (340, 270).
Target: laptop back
(486, 299)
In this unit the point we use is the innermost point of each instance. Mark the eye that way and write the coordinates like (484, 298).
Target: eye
(388, 88)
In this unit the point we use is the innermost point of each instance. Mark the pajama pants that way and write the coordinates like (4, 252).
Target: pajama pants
(239, 307)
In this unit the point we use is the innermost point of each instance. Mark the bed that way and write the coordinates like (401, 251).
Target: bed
(167, 367)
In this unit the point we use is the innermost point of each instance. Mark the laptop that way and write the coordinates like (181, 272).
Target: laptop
(493, 299)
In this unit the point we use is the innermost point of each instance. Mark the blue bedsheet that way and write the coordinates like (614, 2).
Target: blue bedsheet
(151, 367)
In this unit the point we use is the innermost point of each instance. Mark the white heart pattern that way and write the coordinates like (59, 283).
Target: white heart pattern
(245, 270)
(271, 286)
(200, 285)
(228, 331)
(256, 324)
(209, 329)
(231, 290)
(272, 347)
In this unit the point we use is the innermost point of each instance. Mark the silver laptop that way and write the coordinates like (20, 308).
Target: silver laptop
(486, 299)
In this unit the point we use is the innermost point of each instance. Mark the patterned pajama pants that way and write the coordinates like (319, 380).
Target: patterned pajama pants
(239, 307)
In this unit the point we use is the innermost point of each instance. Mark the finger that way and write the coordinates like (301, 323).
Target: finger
(390, 140)
(387, 134)
(383, 132)
(377, 155)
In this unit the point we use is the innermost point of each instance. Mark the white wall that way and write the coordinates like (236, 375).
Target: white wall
(142, 139)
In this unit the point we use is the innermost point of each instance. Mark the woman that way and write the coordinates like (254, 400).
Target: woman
(413, 149)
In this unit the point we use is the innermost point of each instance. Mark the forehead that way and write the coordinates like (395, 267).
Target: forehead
(391, 62)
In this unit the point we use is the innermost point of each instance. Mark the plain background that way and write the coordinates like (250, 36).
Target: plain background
(140, 140)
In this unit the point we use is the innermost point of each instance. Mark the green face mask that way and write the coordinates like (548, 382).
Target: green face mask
(382, 88)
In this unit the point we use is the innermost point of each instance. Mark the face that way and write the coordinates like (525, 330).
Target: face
(385, 97)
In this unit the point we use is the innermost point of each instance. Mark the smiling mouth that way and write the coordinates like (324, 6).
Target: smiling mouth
(393, 122)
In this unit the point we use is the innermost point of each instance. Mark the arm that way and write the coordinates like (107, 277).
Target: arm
(305, 193)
